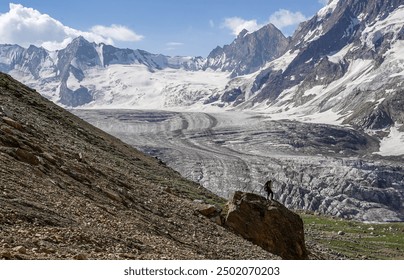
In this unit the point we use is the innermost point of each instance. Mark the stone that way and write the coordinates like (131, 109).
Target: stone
(129, 256)
(341, 233)
(208, 210)
(46, 250)
(49, 157)
(26, 156)
(217, 220)
(20, 249)
(4, 111)
(268, 224)
(113, 195)
(79, 157)
(6, 255)
(6, 130)
(13, 123)
(81, 256)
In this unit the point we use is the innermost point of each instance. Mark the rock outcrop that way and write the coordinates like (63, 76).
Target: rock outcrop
(267, 224)
(213, 212)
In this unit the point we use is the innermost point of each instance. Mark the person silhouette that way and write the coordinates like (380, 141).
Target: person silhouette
(268, 189)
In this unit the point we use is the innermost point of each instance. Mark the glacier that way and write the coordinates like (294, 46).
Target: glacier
(317, 167)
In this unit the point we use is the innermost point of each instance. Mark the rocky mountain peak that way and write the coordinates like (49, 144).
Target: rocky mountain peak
(80, 53)
(80, 40)
(249, 51)
(242, 33)
(80, 43)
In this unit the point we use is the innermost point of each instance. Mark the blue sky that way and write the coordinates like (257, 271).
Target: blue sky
(171, 27)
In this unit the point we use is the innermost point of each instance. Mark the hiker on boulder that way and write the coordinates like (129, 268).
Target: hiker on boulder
(268, 189)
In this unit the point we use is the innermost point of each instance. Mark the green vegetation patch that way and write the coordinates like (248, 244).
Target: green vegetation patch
(356, 240)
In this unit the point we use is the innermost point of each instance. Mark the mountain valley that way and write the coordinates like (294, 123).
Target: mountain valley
(320, 112)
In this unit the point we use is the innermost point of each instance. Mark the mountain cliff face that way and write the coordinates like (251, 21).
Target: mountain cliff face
(347, 60)
(249, 51)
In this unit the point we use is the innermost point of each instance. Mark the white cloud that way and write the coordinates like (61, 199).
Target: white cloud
(174, 44)
(25, 26)
(323, 2)
(211, 23)
(116, 32)
(171, 46)
(284, 18)
(237, 24)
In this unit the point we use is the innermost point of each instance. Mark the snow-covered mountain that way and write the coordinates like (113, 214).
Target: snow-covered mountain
(72, 76)
(344, 65)
(99, 75)
(346, 62)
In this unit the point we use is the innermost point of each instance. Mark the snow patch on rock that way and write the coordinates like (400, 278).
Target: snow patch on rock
(393, 144)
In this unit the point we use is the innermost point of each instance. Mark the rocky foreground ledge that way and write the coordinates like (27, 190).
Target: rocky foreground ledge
(268, 224)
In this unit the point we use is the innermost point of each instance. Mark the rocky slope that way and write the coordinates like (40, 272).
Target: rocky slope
(69, 190)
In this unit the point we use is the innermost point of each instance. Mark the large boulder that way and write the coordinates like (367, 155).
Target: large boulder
(267, 224)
